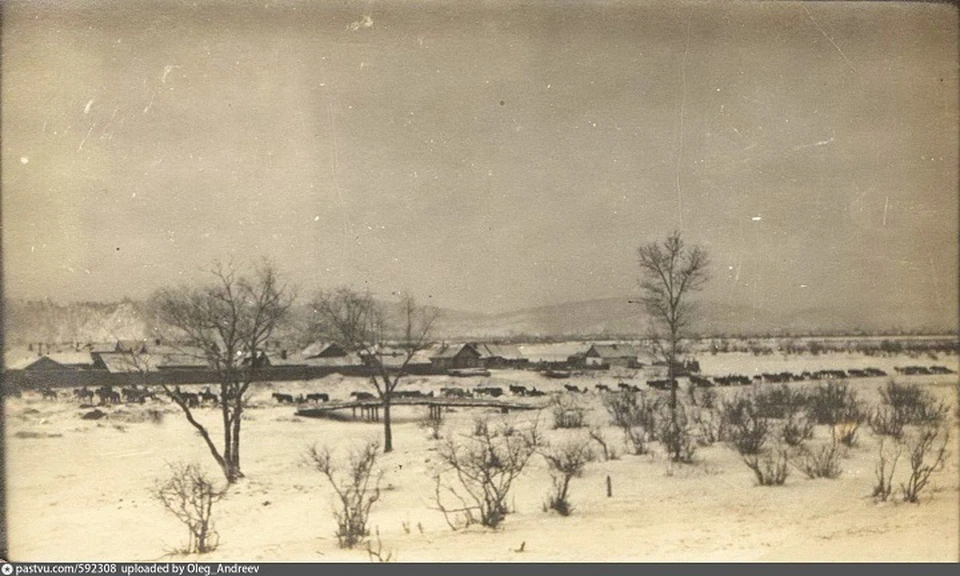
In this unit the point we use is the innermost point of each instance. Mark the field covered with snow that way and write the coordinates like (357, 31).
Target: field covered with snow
(81, 489)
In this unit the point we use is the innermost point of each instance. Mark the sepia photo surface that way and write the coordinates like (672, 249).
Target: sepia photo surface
(508, 281)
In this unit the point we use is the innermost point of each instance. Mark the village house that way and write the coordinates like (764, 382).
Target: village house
(61, 361)
(477, 355)
(610, 355)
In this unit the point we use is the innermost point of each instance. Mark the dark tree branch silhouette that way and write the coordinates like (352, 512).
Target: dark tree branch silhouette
(359, 323)
(227, 324)
(670, 272)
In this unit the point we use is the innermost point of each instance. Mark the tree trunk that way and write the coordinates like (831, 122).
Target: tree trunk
(672, 376)
(387, 433)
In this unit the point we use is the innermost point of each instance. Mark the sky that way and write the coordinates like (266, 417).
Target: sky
(484, 156)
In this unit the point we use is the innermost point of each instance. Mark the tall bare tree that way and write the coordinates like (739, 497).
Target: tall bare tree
(669, 272)
(228, 323)
(360, 324)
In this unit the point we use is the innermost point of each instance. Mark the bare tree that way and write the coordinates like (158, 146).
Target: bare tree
(359, 323)
(228, 324)
(670, 272)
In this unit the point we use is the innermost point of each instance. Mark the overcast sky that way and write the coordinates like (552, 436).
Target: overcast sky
(483, 155)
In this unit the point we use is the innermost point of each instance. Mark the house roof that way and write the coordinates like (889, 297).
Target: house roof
(452, 351)
(612, 351)
(179, 356)
(292, 359)
(336, 361)
(124, 362)
(322, 349)
(505, 351)
(60, 359)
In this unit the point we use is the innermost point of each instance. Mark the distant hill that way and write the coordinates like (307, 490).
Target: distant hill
(35, 321)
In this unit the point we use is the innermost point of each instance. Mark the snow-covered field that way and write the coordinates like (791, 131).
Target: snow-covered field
(80, 489)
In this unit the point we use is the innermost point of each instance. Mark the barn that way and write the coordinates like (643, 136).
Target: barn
(474, 355)
(453, 356)
(621, 355)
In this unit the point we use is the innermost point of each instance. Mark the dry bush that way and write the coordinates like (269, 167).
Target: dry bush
(676, 434)
(834, 402)
(797, 429)
(780, 402)
(377, 555)
(609, 451)
(357, 489)
(635, 416)
(925, 457)
(822, 463)
(480, 425)
(770, 466)
(480, 470)
(565, 462)
(886, 466)
(707, 423)
(568, 412)
(432, 425)
(742, 426)
(706, 398)
(911, 405)
(846, 432)
(885, 421)
(189, 494)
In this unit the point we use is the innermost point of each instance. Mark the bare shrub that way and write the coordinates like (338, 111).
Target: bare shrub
(480, 425)
(706, 398)
(834, 402)
(769, 467)
(609, 451)
(635, 416)
(846, 432)
(912, 405)
(568, 412)
(822, 463)
(565, 462)
(797, 429)
(189, 494)
(924, 458)
(886, 421)
(483, 468)
(357, 489)
(743, 427)
(707, 423)
(377, 555)
(676, 434)
(886, 466)
(433, 426)
(780, 402)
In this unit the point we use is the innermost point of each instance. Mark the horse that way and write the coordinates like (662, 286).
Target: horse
(317, 397)
(206, 395)
(283, 398)
(518, 390)
(84, 394)
(49, 393)
(108, 395)
(362, 395)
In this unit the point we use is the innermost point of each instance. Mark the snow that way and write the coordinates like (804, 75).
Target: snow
(80, 490)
